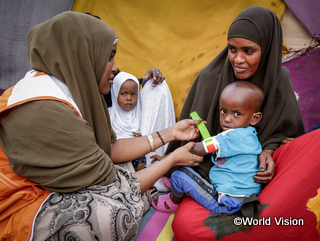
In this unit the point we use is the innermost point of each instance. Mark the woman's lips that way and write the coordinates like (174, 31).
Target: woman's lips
(239, 69)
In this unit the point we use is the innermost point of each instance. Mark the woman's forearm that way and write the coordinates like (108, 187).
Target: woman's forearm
(124, 150)
(129, 149)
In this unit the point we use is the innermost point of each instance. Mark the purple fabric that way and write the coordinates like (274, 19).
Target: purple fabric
(305, 78)
(308, 14)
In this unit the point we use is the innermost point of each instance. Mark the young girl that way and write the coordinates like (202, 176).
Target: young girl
(125, 113)
(134, 114)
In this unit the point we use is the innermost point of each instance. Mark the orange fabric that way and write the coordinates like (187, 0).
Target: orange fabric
(37, 98)
(40, 74)
(4, 98)
(7, 93)
(20, 200)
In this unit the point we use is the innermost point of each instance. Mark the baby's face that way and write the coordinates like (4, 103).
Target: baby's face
(235, 111)
(128, 95)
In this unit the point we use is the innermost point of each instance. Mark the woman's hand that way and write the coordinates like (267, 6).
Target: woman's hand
(267, 167)
(186, 130)
(286, 140)
(183, 157)
(155, 74)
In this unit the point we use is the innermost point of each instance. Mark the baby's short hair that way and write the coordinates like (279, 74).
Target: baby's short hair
(256, 92)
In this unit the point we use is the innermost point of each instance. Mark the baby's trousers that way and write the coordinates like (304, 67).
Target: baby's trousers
(186, 181)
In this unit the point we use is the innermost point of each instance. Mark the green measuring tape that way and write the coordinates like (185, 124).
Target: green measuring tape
(201, 126)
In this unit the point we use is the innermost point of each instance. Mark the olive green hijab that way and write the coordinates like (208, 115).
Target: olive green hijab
(281, 113)
(46, 141)
(75, 48)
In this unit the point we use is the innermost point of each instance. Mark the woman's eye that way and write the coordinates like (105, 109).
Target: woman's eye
(111, 57)
(231, 49)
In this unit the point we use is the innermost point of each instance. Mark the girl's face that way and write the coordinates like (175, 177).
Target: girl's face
(107, 78)
(244, 56)
(128, 95)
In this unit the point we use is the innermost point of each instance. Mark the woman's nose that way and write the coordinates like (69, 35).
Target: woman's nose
(114, 66)
(239, 58)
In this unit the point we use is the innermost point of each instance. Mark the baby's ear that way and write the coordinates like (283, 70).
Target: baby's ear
(256, 117)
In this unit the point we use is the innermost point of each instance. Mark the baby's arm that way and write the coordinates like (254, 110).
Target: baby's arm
(157, 158)
(198, 149)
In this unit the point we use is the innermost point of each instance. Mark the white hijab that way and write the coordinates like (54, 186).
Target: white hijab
(124, 122)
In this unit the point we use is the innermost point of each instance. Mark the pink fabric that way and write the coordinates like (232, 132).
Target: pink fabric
(154, 226)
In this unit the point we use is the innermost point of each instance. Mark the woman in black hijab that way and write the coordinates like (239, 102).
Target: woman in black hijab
(259, 32)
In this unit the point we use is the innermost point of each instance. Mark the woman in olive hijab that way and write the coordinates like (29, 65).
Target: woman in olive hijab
(56, 135)
(281, 114)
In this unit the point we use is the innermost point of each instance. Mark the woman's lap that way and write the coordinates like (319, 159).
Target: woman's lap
(296, 181)
(112, 211)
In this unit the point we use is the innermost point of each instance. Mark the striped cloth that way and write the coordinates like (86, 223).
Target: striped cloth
(156, 226)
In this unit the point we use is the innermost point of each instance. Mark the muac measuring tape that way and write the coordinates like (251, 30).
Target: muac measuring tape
(204, 132)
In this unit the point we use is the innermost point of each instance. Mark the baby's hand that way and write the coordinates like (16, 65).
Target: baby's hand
(135, 134)
(157, 158)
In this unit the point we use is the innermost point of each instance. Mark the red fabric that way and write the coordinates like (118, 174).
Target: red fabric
(211, 148)
(296, 180)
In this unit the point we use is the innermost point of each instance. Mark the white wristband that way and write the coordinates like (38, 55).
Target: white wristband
(211, 144)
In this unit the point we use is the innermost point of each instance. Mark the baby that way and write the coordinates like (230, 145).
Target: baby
(234, 154)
